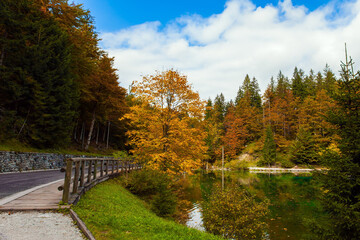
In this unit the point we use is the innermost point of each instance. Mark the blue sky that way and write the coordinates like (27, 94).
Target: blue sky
(216, 43)
(112, 15)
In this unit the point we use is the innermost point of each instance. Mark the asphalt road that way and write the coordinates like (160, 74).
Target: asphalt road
(12, 183)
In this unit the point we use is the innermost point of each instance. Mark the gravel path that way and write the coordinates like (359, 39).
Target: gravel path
(38, 226)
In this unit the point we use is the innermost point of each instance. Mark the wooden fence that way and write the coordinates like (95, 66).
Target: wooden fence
(85, 173)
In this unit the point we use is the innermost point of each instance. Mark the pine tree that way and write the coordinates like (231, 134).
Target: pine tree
(219, 107)
(303, 150)
(239, 96)
(208, 109)
(38, 90)
(269, 149)
(297, 85)
(342, 182)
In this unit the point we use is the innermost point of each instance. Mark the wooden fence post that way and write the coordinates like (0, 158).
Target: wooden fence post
(107, 167)
(82, 175)
(76, 177)
(95, 168)
(66, 192)
(89, 171)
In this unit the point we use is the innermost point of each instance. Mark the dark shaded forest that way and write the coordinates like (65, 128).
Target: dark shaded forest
(57, 87)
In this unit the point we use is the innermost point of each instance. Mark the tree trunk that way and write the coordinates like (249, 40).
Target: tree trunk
(23, 124)
(82, 135)
(104, 133)
(3, 51)
(90, 130)
(97, 134)
(76, 126)
(108, 134)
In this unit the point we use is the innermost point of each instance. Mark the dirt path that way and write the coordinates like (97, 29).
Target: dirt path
(38, 226)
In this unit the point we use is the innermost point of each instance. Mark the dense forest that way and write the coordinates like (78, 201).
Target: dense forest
(287, 124)
(57, 87)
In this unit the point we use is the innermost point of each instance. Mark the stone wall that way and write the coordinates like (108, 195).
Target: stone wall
(25, 161)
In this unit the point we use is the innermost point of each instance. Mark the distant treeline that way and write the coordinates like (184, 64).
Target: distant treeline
(56, 85)
(294, 109)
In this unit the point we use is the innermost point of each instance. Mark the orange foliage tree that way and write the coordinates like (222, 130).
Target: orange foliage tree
(236, 133)
(311, 117)
(167, 132)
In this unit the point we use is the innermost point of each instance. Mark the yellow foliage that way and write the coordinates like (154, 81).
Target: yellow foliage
(167, 133)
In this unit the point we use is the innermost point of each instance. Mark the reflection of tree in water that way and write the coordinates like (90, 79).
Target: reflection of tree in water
(293, 205)
(234, 213)
(188, 192)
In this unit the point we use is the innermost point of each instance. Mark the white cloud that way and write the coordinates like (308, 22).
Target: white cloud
(217, 52)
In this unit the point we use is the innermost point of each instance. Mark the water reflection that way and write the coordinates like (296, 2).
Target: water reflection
(195, 218)
(294, 203)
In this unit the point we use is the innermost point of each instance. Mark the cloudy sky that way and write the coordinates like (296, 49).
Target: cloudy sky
(216, 43)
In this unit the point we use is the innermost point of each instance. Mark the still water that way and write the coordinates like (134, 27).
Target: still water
(294, 204)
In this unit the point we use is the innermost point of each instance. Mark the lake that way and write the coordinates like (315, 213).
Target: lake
(294, 200)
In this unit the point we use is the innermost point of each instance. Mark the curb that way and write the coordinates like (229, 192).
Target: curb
(81, 225)
(29, 171)
(32, 209)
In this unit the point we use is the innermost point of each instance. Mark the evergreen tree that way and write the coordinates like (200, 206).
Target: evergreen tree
(255, 94)
(297, 84)
(251, 91)
(303, 150)
(239, 96)
(208, 109)
(269, 149)
(310, 84)
(319, 82)
(220, 107)
(282, 85)
(342, 182)
(329, 79)
(37, 90)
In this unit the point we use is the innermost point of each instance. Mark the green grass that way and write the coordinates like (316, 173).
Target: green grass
(16, 146)
(111, 212)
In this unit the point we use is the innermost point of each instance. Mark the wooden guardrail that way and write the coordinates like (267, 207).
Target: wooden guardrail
(86, 172)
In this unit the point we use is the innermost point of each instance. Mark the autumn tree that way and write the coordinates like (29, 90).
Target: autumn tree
(235, 133)
(249, 109)
(167, 131)
(106, 97)
(311, 116)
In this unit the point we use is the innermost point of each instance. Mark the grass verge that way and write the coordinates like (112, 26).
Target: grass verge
(111, 212)
(16, 146)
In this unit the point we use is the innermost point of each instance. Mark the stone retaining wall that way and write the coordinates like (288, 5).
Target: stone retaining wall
(25, 161)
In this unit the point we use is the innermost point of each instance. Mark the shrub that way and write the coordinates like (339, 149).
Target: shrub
(146, 182)
(234, 213)
(238, 165)
(164, 203)
(285, 161)
(155, 188)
